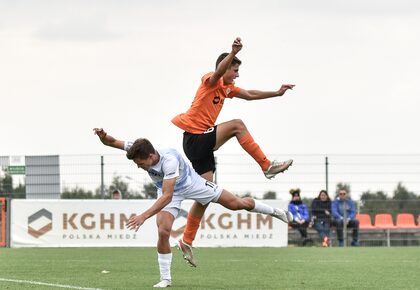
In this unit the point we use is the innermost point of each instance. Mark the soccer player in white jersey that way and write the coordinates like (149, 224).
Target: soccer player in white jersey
(176, 180)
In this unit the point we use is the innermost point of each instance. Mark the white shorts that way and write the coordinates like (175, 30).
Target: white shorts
(200, 190)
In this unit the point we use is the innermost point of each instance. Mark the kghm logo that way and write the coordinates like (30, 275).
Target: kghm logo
(43, 216)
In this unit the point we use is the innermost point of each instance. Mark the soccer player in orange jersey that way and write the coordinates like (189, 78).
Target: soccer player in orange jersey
(202, 137)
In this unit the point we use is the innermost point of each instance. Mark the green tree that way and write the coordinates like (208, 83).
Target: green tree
(7, 189)
(120, 184)
(270, 195)
(308, 203)
(77, 193)
(19, 191)
(405, 201)
(402, 201)
(247, 194)
(6, 185)
(402, 193)
(373, 203)
(149, 191)
(341, 186)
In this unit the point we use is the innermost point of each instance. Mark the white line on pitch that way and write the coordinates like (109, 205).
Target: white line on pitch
(47, 284)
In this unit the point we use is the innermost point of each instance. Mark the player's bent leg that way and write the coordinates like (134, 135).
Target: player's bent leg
(227, 130)
(193, 222)
(197, 209)
(232, 202)
(237, 128)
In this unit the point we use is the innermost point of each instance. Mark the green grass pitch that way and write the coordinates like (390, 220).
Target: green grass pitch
(218, 268)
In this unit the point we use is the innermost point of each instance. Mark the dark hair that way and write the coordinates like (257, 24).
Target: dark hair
(323, 191)
(141, 148)
(222, 57)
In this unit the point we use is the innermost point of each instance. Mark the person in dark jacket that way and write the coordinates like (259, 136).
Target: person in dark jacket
(300, 215)
(321, 216)
(344, 211)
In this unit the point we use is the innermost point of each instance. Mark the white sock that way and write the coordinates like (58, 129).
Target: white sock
(165, 261)
(261, 207)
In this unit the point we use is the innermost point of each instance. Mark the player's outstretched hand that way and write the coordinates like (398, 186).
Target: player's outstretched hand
(100, 132)
(284, 88)
(237, 45)
(135, 222)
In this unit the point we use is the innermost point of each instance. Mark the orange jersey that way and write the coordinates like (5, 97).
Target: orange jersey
(205, 108)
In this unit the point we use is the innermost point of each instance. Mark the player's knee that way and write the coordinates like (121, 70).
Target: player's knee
(164, 233)
(239, 125)
(234, 205)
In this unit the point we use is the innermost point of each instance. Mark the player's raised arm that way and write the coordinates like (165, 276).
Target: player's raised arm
(226, 62)
(108, 140)
(258, 95)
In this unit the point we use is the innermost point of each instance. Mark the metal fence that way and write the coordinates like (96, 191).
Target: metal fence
(238, 173)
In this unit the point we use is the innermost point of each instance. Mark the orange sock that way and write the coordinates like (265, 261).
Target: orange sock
(193, 223)
(249, 145)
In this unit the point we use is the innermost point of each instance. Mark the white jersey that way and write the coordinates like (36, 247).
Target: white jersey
(171, 164)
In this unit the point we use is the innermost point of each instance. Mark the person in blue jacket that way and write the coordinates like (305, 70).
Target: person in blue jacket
(300, 214)
(344, 211)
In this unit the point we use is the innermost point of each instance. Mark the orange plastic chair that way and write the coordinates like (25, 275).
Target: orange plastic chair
(364, 221)
(384, 221)
(405, 221)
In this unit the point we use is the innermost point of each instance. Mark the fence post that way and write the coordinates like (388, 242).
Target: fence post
(3, 222)
(345, 224)
(8, 218)
(326, 173)
(102, 178)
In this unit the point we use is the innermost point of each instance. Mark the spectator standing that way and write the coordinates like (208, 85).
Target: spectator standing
(341, 207)
(321, 216)
(300, 215)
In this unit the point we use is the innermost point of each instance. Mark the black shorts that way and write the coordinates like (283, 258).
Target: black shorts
(199, 150)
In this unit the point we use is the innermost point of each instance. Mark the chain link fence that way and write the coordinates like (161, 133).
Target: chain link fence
(380, 184)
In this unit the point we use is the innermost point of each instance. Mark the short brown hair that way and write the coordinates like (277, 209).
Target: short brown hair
(141, 148)
(223, 56)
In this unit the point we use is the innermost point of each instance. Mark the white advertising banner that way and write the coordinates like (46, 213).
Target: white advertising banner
(101, 223)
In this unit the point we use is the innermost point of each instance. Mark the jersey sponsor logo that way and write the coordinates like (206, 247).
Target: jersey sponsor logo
(155, 173)
(216, 100)
(170, 174)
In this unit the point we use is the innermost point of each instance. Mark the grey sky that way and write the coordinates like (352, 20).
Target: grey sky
(130, 66)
